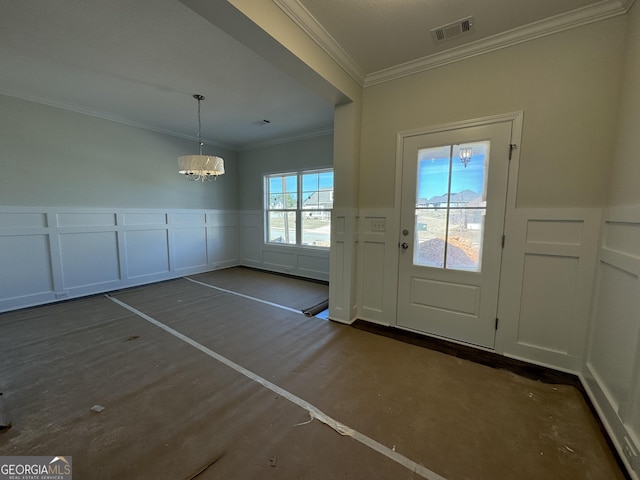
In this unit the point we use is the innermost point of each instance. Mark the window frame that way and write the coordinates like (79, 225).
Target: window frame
(299, 210)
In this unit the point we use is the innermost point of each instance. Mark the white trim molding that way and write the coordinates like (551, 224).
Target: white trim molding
(583, 16)
(611, 368)
(49, 254)
(307, 22)
(544, 316)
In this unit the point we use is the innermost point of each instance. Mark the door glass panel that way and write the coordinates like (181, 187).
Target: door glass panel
(450, 206)
(430, 227)
(464, 239)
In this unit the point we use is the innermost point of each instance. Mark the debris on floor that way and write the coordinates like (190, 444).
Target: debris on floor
(206, 467)
(98, 408)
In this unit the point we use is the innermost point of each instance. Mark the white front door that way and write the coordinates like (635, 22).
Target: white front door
(454, 186)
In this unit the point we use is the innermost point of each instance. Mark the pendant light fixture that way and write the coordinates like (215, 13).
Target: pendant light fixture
(200, 167)
(465, 155)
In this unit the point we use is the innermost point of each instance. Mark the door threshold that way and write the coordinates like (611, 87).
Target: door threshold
(473, 354)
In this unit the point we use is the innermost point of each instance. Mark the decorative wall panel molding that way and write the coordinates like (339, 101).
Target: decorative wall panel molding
(308, 262)
(612, 366)
(378, 266)
(49, 254)
(343, 305)
(545, 287)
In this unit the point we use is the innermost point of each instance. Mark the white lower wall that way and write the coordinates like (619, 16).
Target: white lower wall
(305, 262)
(377, 266)
(569, 300)
(344, 262)
(48, 254)
(612, 361)
(545, 285)
(547, 274)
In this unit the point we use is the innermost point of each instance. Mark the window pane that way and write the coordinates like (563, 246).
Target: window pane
(275, 201)
(464, 241)
(310, 182)
(433, 177)
(430, 227)
(317, 190)
(468, 174)
(432, 199)
(310, 200)
(275, 185)
(283, 201)
(281, 227)
(326, 179)
(283, 191)
(468, 205)
(316, 228)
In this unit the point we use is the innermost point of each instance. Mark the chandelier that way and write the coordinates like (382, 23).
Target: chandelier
(200, 167)
(465, 155)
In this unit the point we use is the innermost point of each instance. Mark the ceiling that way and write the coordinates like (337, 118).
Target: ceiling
(140, 62)
(382, 34)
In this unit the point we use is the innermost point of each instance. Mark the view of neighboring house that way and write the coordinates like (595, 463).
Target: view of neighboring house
(322, 201)
(465, 198)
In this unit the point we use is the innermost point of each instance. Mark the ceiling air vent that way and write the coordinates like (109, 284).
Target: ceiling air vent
(452, 30)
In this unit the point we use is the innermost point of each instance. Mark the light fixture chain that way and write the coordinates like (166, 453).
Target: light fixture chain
(199, 98)
(200, 167)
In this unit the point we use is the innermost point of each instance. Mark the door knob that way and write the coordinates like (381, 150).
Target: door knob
(404, 245)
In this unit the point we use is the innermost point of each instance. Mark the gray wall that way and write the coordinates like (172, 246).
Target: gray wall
(88, 205)
(309, 153)
(567, 84)
(53, 157)
(623, 188)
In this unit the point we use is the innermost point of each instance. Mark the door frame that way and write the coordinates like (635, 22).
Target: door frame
(516, 118)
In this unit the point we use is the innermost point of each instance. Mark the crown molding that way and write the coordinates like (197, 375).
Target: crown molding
(75, 108)
(583, 16)
(307, 22)
(559, 23)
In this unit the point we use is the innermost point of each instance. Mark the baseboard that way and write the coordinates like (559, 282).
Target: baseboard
(284, 274)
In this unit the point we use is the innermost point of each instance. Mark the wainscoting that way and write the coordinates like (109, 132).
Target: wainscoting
(555, 271)
(612, 366)
(49, 254)
(547, 276)
(569, 300)
(343, 306)
(307, 262)
(378, 266)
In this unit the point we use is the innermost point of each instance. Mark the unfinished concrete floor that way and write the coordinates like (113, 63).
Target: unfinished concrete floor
(200, 382)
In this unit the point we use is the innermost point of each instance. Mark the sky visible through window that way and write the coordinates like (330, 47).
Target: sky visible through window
(310, 182)
(433, 170)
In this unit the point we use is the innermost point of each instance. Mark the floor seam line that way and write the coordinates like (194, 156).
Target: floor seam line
(255, 299)
(313, 410)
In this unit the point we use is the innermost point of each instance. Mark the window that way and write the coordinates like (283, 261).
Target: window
(298, 208)
(450, 206)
